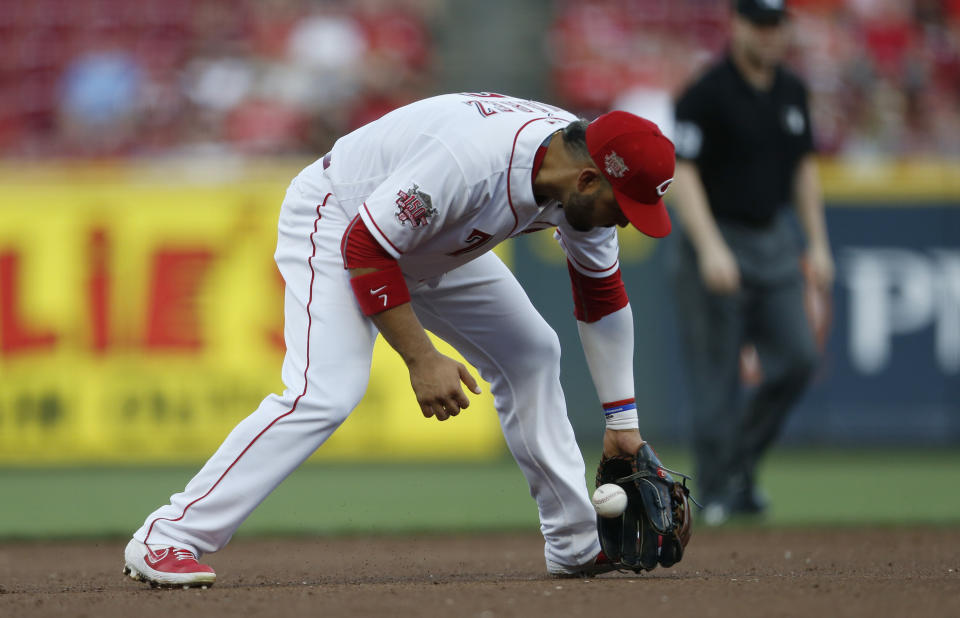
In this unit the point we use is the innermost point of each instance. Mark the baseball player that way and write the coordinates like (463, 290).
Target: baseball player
(391, 232)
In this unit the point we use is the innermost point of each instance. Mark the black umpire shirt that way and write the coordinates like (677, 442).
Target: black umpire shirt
(745, 143)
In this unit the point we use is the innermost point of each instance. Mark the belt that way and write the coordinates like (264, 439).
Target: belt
(326, 160)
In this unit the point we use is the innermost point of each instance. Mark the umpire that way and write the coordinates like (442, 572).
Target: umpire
(745, 153)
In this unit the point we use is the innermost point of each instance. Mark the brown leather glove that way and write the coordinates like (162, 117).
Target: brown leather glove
(656, 525)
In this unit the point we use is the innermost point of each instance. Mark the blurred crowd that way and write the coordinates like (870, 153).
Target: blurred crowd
(108, 78)
(884, 75)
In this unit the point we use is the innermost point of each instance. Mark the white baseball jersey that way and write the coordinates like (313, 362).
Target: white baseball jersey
(442, 181)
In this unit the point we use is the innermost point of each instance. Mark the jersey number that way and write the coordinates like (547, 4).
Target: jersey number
(475, 240)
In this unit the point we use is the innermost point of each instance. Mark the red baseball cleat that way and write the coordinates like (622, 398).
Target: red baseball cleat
(600, 564)
(166, 567)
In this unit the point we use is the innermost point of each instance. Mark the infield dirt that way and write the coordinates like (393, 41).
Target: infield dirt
(726, 573)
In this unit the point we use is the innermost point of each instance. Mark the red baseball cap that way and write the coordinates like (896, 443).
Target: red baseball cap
(638, 160)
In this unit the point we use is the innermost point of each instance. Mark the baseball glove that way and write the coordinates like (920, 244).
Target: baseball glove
(655, 527)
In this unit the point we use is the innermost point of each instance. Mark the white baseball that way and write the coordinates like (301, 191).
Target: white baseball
(610, 500)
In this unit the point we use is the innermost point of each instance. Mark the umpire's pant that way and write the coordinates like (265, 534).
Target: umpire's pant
(732, 427)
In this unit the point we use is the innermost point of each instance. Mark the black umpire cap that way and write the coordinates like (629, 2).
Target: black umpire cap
(762, 12)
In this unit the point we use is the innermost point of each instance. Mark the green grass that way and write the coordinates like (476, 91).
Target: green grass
(888, 486)
(807, 488)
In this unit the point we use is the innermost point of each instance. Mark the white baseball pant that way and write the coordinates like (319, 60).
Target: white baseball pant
(478, 308)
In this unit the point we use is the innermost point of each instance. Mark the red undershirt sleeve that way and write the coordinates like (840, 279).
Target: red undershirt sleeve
(361, 250)
(376, 291)
(595, 297)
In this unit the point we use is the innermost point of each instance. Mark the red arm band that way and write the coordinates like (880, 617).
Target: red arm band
(595, 297)
(361, 250)
(380, 290)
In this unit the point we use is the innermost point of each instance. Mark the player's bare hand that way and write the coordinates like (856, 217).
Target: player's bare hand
(719, 269)
(621, 442)
(436, 381)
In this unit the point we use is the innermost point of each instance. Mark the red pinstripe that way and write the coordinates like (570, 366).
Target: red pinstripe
(584, 266)
(587, 268)
(360, 249)
(516, 219)
(385, 237)
(316, 223)
(343, 240)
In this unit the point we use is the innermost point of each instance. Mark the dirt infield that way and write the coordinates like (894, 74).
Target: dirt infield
(880, 572)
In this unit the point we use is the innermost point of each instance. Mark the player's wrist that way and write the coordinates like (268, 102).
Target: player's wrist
(379, 290)
(423, 355)
(712, 247)
(621, 415)
(620, 442)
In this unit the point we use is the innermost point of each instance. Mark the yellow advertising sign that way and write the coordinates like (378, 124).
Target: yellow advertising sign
(141, 319)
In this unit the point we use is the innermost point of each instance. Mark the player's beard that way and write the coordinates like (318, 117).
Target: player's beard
(578, 210)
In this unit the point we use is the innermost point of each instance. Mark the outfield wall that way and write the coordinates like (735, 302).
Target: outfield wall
(891, 362)
(140, 319)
